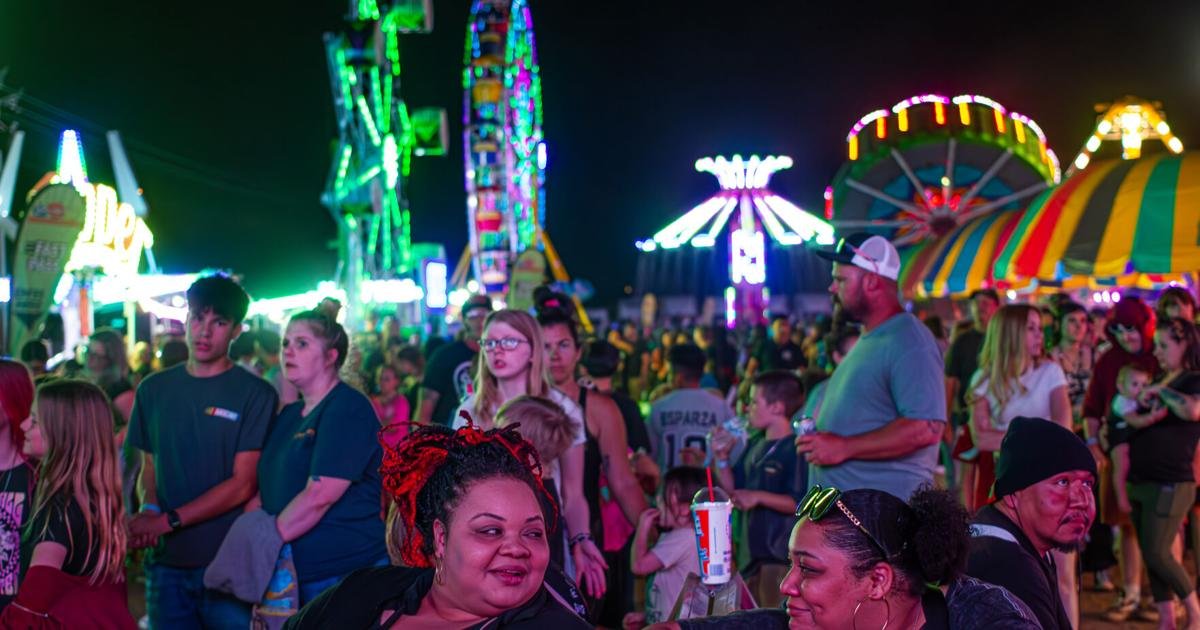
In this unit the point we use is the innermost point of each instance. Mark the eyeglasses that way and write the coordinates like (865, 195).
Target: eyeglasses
(817, 503)
(508, 344)
(1121, 329)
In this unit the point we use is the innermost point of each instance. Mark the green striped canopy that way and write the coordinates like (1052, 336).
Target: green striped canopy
(1113, 219)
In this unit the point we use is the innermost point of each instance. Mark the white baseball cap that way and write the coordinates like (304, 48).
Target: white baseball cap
(870, 252)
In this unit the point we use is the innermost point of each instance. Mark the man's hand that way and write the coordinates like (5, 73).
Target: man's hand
(146, 527)
(722, 442)
(692, 456)
(823, 449)
(746, 499)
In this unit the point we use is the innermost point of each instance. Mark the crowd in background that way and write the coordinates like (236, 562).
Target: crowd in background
(244, 457)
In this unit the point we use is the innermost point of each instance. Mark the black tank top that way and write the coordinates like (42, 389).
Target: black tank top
(592, 469)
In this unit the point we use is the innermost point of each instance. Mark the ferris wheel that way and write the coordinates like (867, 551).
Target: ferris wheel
(504, 149)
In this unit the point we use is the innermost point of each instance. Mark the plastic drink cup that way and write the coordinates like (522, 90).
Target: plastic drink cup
(713, 536)
(804, 426)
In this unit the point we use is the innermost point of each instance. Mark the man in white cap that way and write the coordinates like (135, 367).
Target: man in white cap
(885, 406)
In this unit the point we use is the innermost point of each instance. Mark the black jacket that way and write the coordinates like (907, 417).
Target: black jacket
(1017, 566)
(361, 599)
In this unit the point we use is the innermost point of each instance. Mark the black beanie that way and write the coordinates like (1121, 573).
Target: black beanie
(1034, 450)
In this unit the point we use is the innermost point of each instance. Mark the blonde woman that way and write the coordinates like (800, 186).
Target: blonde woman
(1015, 380)
(76, 537)
(514, 364)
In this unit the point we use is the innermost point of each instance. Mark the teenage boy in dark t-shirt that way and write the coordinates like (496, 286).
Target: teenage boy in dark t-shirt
(766, 482)
(200, 427)
(451, 367)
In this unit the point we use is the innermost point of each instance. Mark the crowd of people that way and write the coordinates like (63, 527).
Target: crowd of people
(886, 469)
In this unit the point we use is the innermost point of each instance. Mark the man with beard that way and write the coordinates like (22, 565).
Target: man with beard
(1045, 477)
(884, 409)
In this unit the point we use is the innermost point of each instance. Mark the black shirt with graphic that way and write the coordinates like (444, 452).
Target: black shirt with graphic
(195, 427)
(16, 497)
(449, 373)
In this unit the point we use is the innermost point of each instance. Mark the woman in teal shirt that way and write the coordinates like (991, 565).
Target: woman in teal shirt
(319, 472)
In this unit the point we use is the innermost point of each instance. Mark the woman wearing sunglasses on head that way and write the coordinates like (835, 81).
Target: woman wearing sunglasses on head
(865, 559)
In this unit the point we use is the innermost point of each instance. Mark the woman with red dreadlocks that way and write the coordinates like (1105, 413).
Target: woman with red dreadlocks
(475, 517)
(514, 364)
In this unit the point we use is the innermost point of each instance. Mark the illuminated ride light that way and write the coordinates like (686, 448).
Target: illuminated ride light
(915, 178)
(1130, 121)
(504, 147)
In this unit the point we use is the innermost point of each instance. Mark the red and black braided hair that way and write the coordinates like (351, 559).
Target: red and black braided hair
(430, 470)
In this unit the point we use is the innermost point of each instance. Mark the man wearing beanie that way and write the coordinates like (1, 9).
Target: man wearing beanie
(1043, 501)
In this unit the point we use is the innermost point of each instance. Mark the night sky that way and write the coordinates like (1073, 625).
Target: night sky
(226, 112)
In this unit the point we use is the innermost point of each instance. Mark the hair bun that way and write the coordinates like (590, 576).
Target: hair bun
(941, 536)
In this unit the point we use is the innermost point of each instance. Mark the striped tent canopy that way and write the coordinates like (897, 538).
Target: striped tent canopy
(959, 262)
(1116, 219)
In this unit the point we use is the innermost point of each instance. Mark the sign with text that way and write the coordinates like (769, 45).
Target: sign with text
(48, 235)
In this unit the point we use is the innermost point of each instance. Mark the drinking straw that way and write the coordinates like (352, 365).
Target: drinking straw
(711, 497)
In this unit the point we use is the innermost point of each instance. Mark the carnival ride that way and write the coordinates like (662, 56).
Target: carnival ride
(743, 191)
(504, 150)
(1130, 120)
(945, 179)
(932, 163)
(377, 139)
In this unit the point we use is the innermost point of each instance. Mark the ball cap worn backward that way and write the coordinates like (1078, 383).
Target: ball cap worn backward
(870, 252)
(477, 302)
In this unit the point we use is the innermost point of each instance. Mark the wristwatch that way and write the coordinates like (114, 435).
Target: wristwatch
(173, 520)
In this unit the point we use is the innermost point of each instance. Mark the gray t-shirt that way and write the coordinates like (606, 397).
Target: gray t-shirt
(194, 427)
(682, 419)
(894, 371)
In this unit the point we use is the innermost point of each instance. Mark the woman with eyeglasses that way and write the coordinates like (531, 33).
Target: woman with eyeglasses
(514, 364)
(866, 559)
(1130, 331)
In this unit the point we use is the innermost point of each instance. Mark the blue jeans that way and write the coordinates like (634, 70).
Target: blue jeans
(177, 600)
(310, 590)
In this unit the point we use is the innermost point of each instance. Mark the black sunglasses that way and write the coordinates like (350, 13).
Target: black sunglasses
(817, 503)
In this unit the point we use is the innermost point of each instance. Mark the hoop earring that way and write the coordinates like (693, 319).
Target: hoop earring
(440, 578)
(886, 620)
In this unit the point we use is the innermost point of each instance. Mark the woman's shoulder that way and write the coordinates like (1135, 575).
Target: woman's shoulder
(973, 603)
(543, 611)
(356, 599)
(570, 407)
(1188, 383)
(1049, 370)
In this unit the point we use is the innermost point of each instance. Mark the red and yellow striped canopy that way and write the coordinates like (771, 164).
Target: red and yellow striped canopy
(1116, 218)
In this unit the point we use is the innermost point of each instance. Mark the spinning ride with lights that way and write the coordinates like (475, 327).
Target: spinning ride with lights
(504, 149)
(1131, 121)
(932, 164)
(377, 139)
(753, 212)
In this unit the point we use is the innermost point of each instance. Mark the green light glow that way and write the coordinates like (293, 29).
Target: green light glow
(368, 10)
(368, 120)
(391, 160)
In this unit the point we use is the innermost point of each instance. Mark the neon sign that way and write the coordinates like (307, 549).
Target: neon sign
(113, 236)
